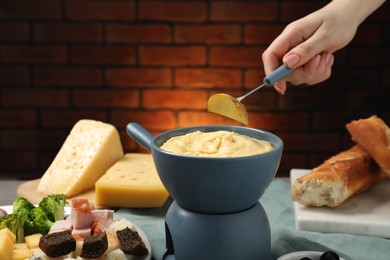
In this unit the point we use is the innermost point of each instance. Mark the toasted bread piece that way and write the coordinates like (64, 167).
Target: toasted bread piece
(337, 179)
(374, 136)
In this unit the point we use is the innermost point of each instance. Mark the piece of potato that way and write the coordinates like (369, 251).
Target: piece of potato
(21, 254)
(20, 246)
(228, 106)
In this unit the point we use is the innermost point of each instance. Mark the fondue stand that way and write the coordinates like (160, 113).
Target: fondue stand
(216, 213)
(237, 235)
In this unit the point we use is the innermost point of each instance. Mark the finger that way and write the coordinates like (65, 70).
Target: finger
(315, 44)
(301, 54)
(302, 74)
(294, 34)
(289, 38)
(280, 86)
(270, 62)
(314, 71)
(324, 69)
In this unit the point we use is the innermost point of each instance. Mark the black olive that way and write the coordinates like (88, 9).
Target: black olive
(3, 213)
(306, 258)
(329, 255)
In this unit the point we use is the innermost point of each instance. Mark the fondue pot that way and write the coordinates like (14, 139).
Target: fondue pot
(216, 200)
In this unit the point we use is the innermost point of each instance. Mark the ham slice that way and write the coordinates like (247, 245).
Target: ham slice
(102, 213)
(81, 216)
(61, 225)
(101, 225)
(87, 220)
(82, 232)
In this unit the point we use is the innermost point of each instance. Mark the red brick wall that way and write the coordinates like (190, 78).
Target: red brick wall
(157, 62)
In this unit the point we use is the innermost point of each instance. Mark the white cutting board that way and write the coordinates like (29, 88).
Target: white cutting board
(367, 213)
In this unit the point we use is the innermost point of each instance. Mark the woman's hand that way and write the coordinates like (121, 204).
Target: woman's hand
(309, 43)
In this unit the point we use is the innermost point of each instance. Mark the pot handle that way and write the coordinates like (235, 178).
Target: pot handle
(140, 135)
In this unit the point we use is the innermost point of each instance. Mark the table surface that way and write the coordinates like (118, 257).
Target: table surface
(8, 191)
(285, 238)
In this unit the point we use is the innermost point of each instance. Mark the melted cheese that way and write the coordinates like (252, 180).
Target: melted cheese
(216, 144)
(131, 182)
(91, 148)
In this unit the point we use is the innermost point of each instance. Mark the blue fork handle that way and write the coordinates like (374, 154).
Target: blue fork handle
(277, 75)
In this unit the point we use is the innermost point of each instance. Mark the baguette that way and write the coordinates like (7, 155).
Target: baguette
(374, 136)
(337, 179)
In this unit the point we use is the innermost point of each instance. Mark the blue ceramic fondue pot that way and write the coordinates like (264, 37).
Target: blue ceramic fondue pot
(212, 185)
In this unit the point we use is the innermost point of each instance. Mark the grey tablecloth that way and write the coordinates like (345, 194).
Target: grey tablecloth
(284, 237)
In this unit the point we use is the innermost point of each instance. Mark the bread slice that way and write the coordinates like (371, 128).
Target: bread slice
(337, 179)
(374, 136)
(90, 149)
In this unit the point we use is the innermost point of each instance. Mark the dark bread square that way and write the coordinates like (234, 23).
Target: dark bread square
(94, 246)
(130, 242)
(57, 244)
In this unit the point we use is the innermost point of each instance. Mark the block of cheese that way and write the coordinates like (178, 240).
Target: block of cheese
(90, 149)
(131, 182)
(6, 245)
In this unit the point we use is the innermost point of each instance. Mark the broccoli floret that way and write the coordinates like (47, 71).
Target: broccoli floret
(15, 223)
(37, 222)
(22, 206)
(54, 206)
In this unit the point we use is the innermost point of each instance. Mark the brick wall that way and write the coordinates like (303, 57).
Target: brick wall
(157, 62)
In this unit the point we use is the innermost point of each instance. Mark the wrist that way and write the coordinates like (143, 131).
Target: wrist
(357, 11)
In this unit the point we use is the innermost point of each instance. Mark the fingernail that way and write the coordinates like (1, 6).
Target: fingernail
(291, 60)
(279, 89)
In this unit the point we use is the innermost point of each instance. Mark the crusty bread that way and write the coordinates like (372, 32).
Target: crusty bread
(374, 136)
(337, 179)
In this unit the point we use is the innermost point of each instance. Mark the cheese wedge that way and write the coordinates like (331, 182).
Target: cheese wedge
(90, 149)
(132, 182)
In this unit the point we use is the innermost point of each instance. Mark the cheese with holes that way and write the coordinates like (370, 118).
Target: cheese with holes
(132, 182)
(90, 149)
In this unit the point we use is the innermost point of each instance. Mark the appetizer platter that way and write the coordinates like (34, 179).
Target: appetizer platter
(78, 231)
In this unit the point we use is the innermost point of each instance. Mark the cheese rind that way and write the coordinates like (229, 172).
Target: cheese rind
(90, 149)
(131, 182)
